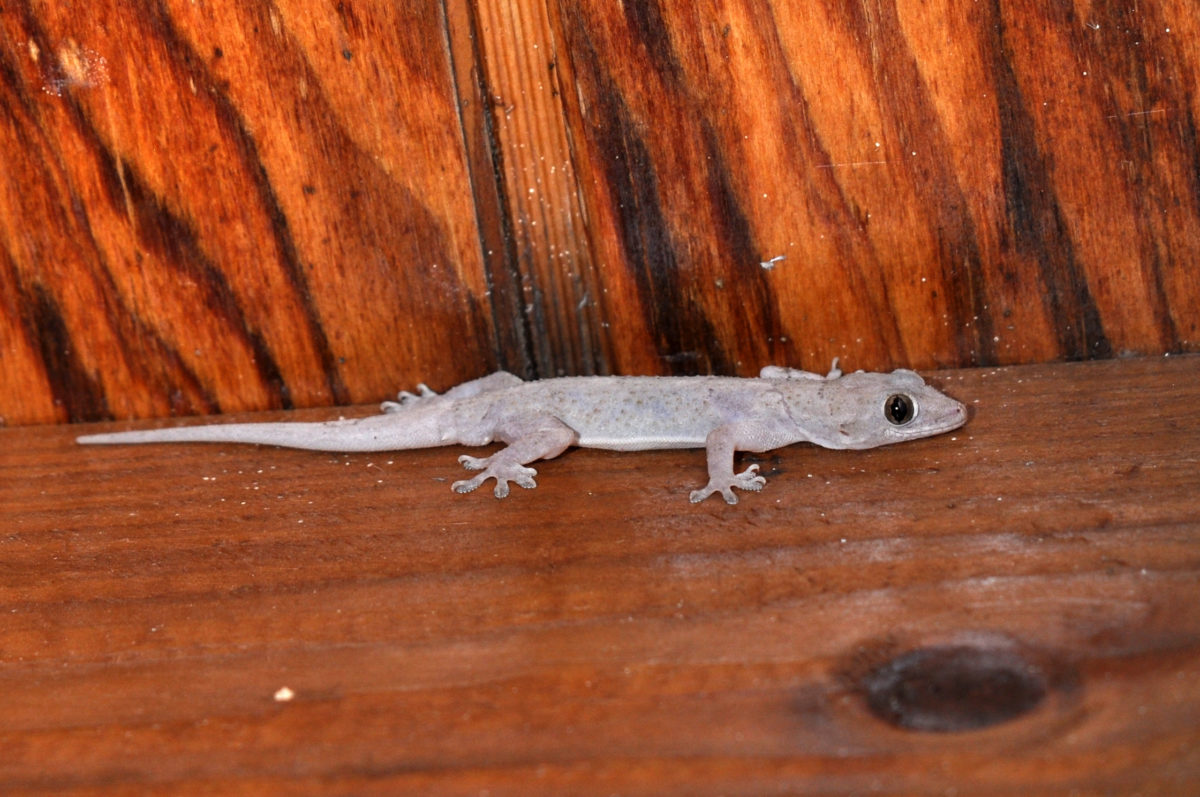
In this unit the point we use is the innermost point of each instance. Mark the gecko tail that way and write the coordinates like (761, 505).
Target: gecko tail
(373, 433)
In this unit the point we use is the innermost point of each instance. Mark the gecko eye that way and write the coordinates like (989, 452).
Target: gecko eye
(899, 409)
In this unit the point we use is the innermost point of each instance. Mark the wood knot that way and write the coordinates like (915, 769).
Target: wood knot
(954, 687)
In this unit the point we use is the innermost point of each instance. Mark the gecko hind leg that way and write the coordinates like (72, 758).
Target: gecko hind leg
(500, 380)
(405, 399)
(543, 438)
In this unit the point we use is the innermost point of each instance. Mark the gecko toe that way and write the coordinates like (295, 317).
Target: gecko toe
(467, 485)
(746, 480)
(749, 479)
(523, 480)
(502, 472)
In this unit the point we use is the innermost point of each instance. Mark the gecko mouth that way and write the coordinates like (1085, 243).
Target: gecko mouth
(946, 420)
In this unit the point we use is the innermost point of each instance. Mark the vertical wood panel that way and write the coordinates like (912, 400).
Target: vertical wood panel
(947, 184)
(1111, 93)
(545, 221)
(512, 335)
(241, 206)
(969, 184)
(206, 208)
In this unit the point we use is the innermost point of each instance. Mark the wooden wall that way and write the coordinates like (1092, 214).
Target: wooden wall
(222, 206)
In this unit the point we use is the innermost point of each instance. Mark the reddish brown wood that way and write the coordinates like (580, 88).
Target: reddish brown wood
(545, 224)
(232, 208)
(602, 635)
(950, 183)
(295, 204)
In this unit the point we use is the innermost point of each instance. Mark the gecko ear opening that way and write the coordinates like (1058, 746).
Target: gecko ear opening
(900, 409)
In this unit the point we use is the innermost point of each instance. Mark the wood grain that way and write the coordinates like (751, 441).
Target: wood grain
(545, 222)
(264, 206)
(226, 215)
(602, 635)
(949, 183)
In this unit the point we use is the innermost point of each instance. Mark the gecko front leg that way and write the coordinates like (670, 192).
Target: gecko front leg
(539, 437)
(760, 434)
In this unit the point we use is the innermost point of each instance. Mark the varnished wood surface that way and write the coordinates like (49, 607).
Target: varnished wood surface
(601, 635)
(243, 206)
(212, 207)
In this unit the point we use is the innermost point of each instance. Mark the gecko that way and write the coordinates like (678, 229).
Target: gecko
(541, 419)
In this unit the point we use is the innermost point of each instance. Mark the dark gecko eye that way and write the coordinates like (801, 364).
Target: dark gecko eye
(899, 409)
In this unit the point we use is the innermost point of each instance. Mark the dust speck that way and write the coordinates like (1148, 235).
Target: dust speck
(73, 67)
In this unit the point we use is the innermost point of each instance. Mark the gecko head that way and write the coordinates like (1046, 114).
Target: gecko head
(865, 410)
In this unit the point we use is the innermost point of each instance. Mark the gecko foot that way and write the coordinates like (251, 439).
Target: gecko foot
(502, 470)
(406, 399)
(746, 480)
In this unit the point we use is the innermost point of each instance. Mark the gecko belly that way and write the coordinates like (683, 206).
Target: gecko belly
(647, 443)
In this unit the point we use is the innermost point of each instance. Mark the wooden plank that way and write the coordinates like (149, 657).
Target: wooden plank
(602, 635)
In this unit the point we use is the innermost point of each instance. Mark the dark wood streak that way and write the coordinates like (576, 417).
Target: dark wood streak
(1141, 143)
(72, 386)
(649, 28)
(513, 336)
(758, 314)
(188, 62)
(684, 335)
(1036, 221)
(913, 120)
(674, 302)
(179, 248)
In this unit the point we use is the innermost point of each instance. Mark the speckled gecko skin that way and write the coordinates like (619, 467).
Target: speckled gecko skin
(541, 419)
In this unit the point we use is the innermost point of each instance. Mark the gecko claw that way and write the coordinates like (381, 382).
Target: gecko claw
(473, 463)
(746, 480)
(467, 485)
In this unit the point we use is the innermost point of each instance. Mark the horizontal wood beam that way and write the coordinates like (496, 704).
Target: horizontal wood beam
(1012, 607)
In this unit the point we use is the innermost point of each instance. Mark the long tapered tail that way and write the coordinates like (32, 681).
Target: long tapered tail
(415, 428)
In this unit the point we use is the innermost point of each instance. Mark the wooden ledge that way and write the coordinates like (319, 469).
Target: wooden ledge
(1012, 607)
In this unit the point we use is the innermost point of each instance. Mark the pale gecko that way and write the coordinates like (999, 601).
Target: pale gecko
(541, 419)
